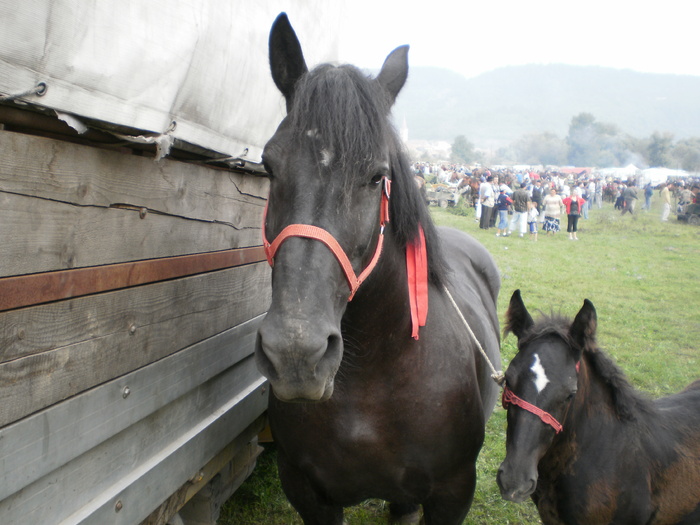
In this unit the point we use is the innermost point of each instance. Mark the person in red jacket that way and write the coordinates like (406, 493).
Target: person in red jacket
(574, 205)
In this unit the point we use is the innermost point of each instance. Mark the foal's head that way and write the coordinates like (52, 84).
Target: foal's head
(541, 381)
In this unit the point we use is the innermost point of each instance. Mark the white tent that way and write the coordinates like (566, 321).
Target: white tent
(658, 175)
(629, 171)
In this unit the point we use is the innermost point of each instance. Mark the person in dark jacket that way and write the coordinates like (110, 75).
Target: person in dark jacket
(629, 196)
(519, 218)
(503, 203)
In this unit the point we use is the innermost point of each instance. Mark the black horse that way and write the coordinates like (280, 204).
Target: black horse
(385, 395)
(583, 443)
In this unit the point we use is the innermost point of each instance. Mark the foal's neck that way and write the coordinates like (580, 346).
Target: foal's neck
(604, 393)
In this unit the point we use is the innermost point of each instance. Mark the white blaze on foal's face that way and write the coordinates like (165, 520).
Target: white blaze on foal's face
(540, 375)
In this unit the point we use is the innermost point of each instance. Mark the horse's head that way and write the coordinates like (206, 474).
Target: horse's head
(541, 381)
(329, 162)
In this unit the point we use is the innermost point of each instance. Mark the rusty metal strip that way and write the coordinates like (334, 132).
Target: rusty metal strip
(28, 290)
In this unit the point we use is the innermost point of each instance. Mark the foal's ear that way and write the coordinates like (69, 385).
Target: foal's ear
(584, 327)
(518, 319)
(394, 72)
(287, 62)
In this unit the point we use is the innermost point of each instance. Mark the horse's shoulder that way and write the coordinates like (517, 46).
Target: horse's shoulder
(460, 247)
(684, 405)
(466, 256)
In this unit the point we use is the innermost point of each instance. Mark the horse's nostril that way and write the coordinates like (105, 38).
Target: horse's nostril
(262, 360)
(533, 486)
(334, 350)
(300, 358)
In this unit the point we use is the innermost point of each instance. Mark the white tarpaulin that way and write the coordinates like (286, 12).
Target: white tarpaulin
(658, 175)
(627, 172)
(202, 64)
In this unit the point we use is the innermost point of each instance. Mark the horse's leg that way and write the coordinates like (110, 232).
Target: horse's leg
(450, 505)
(311, 506)
(400, 514)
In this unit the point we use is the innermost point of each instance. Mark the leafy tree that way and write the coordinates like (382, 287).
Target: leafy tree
(686, 153)
(581, 140)
(543, 148)
(659, 150)
(503, 155)
(633, 151)
(597, 144)
(462, 151)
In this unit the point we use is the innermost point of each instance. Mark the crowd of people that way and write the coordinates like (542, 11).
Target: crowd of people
(522, 202)
(533, 202)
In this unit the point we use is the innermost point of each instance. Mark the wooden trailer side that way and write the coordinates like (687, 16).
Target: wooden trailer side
(130, 295)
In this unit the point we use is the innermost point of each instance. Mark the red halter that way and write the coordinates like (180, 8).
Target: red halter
(509, 398)
(314, 232)
(416, 258)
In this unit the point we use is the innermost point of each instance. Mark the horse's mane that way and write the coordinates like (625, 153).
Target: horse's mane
(349, 112)
(627, 402)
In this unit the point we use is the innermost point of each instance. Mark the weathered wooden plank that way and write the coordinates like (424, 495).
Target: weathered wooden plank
(85, 176)
(33, 289)
(40, 235)
(199, 501)
(54, 351)
(217, 300)
(153, 457)
(37, 445)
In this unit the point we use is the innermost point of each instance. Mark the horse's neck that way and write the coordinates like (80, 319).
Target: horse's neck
(381, 307)
(593, 408)
(592, 390)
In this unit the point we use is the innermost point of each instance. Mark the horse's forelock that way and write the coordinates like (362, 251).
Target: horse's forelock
(552, 324)
(348, 112)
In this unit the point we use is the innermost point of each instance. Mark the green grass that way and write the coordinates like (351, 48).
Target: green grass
(643, 278)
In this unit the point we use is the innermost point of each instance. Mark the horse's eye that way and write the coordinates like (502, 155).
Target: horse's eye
(571, 395)
(377, 178)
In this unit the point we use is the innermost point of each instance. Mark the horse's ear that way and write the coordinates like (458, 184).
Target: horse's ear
(287, 62)
(584, 327)
(394, 72)
(518, 319)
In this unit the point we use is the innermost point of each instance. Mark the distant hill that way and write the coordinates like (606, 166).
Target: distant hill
(500, 106)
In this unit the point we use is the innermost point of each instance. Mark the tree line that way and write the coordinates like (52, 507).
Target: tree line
(589, 143)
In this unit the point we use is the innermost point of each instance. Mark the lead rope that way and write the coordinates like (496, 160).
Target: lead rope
(496, 375)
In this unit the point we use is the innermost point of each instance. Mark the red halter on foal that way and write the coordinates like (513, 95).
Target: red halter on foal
(509, 398)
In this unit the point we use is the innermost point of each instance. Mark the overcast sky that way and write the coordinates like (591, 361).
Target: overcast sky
(472, 37)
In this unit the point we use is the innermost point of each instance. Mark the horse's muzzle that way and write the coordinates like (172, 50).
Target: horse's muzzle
(299, 360)
(514, 487)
